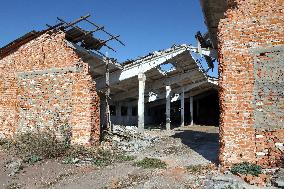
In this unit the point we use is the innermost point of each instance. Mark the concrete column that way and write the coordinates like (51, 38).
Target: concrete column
(141, 79)
(168, 108)
(182, 108)
(191, 110)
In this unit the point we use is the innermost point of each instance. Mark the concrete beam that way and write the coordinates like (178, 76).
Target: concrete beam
(157, 84)
(141, 66)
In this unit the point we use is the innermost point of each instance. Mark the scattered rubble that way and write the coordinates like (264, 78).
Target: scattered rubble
(278, 178)
(14, 166)
(128, 139)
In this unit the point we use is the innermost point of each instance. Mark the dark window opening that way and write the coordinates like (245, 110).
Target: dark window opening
(123, 110)
(112, 110)
(134, 111)
(149, 111)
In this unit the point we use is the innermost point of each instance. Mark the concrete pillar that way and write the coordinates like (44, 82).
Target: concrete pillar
(191, 110)
(168, 108)
(182, 108)
(141, 79)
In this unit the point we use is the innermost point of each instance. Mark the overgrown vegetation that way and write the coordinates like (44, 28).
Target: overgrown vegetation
(199, 169)
(32, 147)
(151, 163)
(246, 168)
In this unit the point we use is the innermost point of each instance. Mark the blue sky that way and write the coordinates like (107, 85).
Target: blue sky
(144, 26)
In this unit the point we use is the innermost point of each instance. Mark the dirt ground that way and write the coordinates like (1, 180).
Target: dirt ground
(180, 149)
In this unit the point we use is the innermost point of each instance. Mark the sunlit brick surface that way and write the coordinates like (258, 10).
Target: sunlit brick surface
(249, 24)
(44, 84)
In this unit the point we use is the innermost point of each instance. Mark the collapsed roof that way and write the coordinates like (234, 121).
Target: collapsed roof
(74, 34)
(213, 12)
(175, 66)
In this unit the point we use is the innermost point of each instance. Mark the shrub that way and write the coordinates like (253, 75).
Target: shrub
(35, 146)
(151, 163)
(122, 158)
(246, 168)
(199, 169)
(32, 159)
(103, 158)
(32, 146)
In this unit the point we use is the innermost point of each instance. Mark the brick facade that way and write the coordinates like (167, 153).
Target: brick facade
(247, 131)
(45, 84)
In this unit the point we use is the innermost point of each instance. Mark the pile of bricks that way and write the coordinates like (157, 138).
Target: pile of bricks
(45, 84)
(249, 25)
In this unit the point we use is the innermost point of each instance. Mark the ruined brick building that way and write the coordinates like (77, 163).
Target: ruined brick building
(249, 36)
(56, 79)
(44, 82)
(51, 78)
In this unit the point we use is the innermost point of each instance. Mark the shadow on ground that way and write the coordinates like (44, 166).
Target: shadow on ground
(204, 143)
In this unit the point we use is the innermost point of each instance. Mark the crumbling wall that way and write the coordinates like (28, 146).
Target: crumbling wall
(44, 84)
(250, 24)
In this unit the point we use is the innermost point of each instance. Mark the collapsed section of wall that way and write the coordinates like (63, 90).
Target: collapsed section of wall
(246, 133)
(44, 84)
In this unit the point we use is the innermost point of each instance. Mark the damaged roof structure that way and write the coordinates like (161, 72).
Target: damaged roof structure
(45, 83)
(150, 78)
(58, 77)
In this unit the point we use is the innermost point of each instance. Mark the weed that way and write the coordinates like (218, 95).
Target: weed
(101, 162)
(122, 158)
(32, 159)
(36, 144)
(151, 163)
(77, 151)
(199, 169)
(246, 168)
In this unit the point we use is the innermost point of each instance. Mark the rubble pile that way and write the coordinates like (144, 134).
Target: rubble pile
(128, 139)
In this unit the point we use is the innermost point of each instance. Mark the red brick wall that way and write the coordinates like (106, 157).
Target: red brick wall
(248, 24)
(43, 84)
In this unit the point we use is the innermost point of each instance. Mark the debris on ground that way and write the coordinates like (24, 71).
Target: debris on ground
(181, 159)
(128, 139)
(14, 166)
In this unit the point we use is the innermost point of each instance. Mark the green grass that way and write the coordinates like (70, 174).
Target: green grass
(151, 163)
(123, 158)
(246, 168)
(199, 169)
